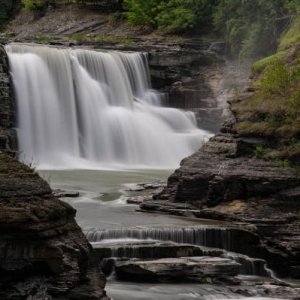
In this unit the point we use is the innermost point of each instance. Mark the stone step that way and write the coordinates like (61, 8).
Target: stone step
(185, 269)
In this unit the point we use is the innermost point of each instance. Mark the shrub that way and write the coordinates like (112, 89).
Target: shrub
(34, 5)
(141, 12)
(174, 15)
(276, 79)
(5, 11)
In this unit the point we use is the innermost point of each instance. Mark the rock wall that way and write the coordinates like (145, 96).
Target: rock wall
(43, 252)
(224, 180)
(8, 140)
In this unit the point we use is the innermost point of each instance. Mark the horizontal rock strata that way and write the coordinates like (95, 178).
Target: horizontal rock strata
(225, 181)
(199, 269)
(43, 252)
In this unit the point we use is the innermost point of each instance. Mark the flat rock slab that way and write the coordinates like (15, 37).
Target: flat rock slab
(197, 269)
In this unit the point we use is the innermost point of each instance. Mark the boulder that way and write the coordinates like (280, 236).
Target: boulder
(43, 252)
(196, 269)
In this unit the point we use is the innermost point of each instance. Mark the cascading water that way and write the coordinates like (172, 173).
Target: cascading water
(88, 109)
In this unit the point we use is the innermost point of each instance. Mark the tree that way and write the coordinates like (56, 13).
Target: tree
(174, 15)
(34, 5)
(5, 11)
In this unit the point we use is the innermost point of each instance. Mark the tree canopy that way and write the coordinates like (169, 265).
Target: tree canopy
(251, 27)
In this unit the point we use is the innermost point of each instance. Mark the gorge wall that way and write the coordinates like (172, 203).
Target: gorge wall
(224, 180)
(43, 252)
(8, 139)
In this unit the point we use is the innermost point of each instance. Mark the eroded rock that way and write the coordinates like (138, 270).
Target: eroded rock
(43, 252)
(199, 269)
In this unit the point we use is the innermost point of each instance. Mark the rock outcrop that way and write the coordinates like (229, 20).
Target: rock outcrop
(196, 269)
(43, 252)
(225, 180)
(8, 139)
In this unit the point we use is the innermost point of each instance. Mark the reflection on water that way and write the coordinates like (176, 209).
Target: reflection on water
(142, 291)
(102, 197)
(102, 205)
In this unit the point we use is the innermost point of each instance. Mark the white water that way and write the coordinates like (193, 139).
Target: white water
(88, 109)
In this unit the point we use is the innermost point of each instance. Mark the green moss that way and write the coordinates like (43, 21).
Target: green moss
(247, 128)
(44, 39)
(114, 39)
(260, 65)
(292, 36)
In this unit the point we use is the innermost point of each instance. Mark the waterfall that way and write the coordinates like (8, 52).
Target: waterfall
(94, 109)
(208, 236)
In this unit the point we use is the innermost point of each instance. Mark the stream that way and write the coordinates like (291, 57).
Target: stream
(102, 206)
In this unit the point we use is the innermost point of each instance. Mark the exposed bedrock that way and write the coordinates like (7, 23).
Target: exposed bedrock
(196, 269)
(225, 181)
(43, 252)
(8, 140)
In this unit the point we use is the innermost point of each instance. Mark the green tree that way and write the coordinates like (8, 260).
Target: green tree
(251, 27)
(175, 15)
(34, 5)
(140, 12)
(5, 11)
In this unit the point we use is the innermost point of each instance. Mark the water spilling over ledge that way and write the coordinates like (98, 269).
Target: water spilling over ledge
(86, 109)
(209, 236)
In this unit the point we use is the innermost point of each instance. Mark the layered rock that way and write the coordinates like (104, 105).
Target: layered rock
(43, 252)
(8, 139)
(197, 269)
(224, 180)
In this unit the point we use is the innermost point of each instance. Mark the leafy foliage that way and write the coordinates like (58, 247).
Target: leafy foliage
(276, 79)
(175, 15)
(141, 12)
(33, 5)
(273, 110)
(251, 27)
(5, 11)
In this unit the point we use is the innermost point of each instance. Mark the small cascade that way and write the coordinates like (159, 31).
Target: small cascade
(162, 242)
(94, 109)
(249, 266)
(209, 236)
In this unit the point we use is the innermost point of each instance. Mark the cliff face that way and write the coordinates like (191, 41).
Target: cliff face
(43, 252)
(250, 171)
(8, 139)
(224, 181)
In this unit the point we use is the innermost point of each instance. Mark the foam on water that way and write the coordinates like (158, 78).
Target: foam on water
(82, 109)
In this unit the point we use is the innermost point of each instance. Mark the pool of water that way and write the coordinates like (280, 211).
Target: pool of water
(102, 205)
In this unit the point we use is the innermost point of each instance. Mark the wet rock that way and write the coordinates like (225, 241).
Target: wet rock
(8, 139)
(64, 194)
(138, 199)
(225, 181)
(151, 249)
(43, 252)
(196, 269)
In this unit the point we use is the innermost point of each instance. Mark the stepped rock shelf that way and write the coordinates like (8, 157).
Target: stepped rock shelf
(224, 181)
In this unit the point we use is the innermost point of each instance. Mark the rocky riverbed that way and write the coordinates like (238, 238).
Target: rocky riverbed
(225, 181)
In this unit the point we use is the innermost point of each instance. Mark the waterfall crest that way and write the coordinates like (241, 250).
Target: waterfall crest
(88, 109)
